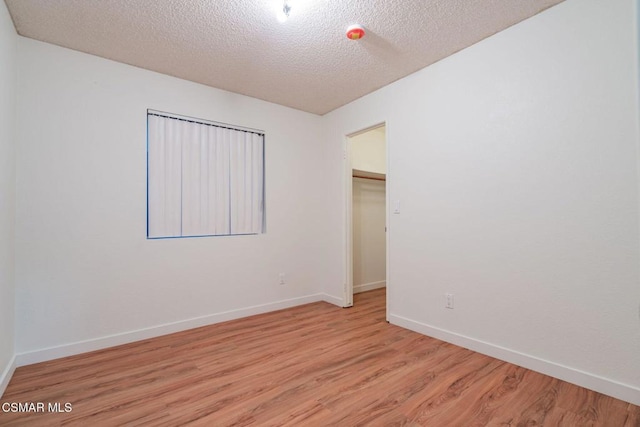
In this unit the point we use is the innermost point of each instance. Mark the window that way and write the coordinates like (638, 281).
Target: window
(203, 178)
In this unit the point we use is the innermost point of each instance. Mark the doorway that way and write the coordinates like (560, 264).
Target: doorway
(367, 211)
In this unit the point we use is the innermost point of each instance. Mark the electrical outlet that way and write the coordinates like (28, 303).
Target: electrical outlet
(282, 282)
(448, 301)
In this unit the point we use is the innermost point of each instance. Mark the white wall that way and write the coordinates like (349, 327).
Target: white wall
(369, 245)
(516, 164)
(369, 151)
(7, 192)
(86, 275)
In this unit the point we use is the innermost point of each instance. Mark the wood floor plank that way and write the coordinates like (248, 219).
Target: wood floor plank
(313, 365)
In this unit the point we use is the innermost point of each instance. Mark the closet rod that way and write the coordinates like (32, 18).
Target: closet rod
(369, 177)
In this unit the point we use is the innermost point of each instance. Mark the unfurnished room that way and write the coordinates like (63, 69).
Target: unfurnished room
(319, 213)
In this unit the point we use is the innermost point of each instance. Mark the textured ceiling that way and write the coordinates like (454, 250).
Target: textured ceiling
(238, 45)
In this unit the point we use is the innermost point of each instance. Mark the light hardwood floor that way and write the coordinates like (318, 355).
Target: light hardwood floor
(314, 365)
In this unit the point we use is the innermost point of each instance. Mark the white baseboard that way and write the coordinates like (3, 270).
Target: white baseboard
(602, 385)
(333, 300)
(7, 374)
(71, 349)
(369, 286)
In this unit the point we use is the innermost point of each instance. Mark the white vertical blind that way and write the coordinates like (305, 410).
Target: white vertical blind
(164, 179)
(246, 183)
(203, 179)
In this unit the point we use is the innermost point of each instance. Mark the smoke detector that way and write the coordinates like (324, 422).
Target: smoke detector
(355, 32)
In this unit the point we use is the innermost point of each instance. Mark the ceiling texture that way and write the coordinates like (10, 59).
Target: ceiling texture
(305, 63)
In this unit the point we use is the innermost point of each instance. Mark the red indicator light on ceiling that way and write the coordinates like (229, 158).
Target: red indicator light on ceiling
(355, 32)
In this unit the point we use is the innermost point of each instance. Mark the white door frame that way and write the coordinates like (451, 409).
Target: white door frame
(348, 191)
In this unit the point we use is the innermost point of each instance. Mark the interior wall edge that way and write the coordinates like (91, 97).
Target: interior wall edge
(75, 348)
(580, 378)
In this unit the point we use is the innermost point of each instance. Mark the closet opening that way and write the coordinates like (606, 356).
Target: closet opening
(367, 213)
